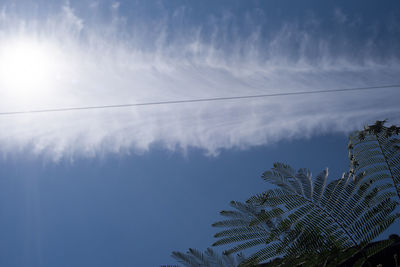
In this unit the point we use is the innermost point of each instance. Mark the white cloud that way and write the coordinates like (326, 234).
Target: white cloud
(340, 16)
(96, 65)
(115, 5)
(70, 20)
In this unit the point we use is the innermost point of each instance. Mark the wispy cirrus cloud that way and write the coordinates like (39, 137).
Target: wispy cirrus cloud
(111, 60)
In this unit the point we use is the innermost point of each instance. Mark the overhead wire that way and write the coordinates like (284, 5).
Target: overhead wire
(169, 102)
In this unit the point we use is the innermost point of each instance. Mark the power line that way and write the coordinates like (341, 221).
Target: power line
(199, 100)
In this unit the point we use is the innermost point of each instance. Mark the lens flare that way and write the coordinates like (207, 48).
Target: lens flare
(27, 68)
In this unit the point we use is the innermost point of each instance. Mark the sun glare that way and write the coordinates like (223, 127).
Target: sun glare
(26, 67)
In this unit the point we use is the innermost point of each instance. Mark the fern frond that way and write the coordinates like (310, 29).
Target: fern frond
(196, 258)
(238, 238)
(376, 149)
(249, 244)
(301, 216)
(319, 185)
(269, 251)
(230, 223)
(239, 231)
(305, 178)
(266, 216)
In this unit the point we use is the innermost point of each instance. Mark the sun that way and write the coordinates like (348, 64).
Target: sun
(27, 67)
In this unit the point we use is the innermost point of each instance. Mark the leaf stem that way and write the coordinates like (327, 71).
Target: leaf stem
(388, 165)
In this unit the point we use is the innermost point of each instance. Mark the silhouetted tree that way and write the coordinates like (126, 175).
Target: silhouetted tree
(313, 222)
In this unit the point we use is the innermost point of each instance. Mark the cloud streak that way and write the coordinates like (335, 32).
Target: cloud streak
(114, 61)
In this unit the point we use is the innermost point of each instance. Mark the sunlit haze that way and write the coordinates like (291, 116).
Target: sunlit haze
(28, 68)
(93, 55)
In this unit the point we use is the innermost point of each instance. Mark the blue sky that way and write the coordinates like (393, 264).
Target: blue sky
(133, 211)
(125, 187)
